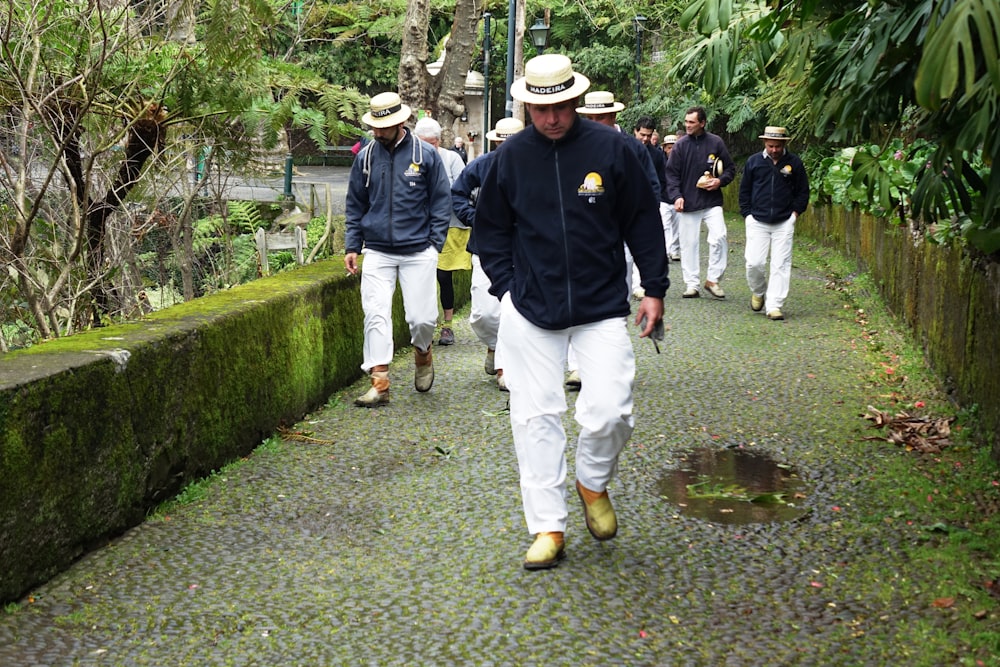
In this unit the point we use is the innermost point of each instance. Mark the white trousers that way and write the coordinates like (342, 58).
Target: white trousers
(668, 216)
(417, 275)
(484, 314)
(533, 368)
(689, 227)
(776, 238)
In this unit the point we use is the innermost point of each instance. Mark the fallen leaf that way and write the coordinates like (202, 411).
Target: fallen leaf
(944, 603)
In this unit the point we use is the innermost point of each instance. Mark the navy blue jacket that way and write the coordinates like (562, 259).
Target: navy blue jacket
(465, 191)
(551, 220)
(692, 156)
(398, 201)
(769, 191)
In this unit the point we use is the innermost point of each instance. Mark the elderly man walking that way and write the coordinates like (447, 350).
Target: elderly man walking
(398, 209)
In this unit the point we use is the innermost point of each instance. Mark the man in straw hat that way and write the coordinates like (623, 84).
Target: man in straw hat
(699, 166)
(554, 211)
(670, 226)
(773, 194)
(484, 315)
(398, 209)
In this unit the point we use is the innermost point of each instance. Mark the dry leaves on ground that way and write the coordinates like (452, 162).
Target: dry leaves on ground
(927, 435)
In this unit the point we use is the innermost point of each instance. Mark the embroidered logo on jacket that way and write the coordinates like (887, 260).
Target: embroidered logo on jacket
(413, 170)
(592, 186)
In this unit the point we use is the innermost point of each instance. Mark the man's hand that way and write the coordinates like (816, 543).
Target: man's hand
(679, 204)
(650, 310)
(713, 184)
(351, 263)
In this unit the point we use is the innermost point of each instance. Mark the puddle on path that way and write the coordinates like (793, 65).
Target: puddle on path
(734, 486)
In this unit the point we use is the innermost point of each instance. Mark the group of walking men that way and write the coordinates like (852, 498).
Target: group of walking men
(557, 213)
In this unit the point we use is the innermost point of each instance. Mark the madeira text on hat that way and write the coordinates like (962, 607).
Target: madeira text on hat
(599, 102)
(387, 110)
(775, 132)
(505, 128)
(549, 79)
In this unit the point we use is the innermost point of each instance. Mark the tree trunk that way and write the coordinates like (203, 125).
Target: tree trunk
(413, 76)
(448, 88)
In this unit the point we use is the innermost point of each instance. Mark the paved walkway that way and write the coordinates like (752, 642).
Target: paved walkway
(396, 536)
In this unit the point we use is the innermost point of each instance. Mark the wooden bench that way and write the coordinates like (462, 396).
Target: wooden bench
(340, 152)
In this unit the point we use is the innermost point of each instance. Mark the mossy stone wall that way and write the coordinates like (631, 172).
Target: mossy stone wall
(97, 428)
(950, 300)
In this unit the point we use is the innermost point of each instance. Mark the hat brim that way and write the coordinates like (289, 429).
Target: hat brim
(615, 108)
(519, 91)
(493, 136)
(397, 118)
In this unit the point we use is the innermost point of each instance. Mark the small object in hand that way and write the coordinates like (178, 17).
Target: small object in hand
(705, 179)
(656, 334)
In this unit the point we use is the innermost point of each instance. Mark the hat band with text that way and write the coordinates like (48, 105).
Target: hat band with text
(550, 90)
(382, 113)
(599, 105)
(775, 135)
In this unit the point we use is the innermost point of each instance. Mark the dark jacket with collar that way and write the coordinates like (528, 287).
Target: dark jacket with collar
(551, 220)
(398, 201)
(769, 191)
(692, 156)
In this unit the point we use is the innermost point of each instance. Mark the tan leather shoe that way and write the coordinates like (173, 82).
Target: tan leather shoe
(715, 290)
(489, 364)
(423, 377)
(546, 551)
(598, 512)
(501, 383)
(378, 393)
(775, 314)
(756, 303)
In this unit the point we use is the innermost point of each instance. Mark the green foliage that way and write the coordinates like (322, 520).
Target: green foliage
(866, 66)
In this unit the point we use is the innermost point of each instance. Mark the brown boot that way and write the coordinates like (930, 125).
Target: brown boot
(378, 394)
(423, 378)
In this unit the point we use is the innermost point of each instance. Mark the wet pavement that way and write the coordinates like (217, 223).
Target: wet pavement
(395, 536)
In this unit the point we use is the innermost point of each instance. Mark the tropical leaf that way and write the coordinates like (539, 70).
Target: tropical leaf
(960, 50)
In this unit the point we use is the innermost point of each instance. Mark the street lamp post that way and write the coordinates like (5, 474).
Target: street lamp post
(539, 35)
(639, 21)
(486, 79)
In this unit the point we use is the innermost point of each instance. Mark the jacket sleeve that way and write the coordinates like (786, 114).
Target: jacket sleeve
(729, 169)
(461, 193)
(746, 188)
(800, 195)
(493, 230)
(642, 227)
(674, 173)
(356, 205)
(439, 203)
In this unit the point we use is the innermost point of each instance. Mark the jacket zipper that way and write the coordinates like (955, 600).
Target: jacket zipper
(562, 219)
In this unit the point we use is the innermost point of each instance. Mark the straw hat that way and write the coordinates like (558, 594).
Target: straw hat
(599, 102)
(504, 129)
(387, 110)
(549, 79)
(774, 132)
(669, 139)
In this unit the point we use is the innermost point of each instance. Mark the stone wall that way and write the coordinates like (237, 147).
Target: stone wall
(98, 428)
